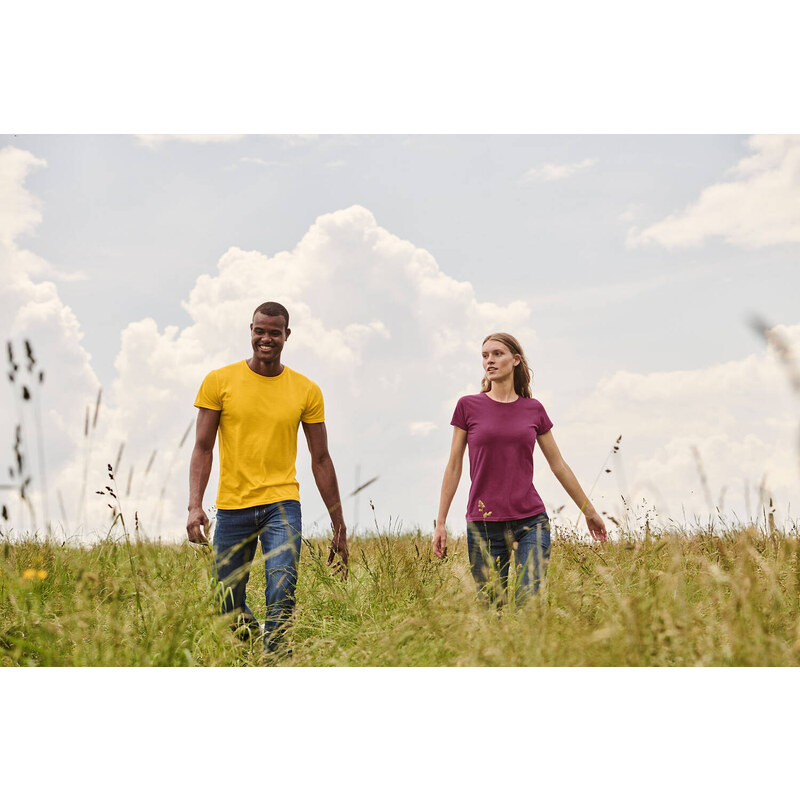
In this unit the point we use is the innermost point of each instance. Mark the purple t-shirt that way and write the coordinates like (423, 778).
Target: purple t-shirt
(501, 438)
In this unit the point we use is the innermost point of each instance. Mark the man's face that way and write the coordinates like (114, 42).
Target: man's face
(268, 335)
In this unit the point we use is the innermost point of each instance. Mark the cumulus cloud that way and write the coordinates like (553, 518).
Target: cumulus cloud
(374, 321)
(741, 417)
(20, 211)
(760, 206)
(557, 172)
(32, 310)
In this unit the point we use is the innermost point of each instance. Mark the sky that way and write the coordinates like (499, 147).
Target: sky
(630, 267)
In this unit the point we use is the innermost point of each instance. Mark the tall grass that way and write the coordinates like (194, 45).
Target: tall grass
(663, 599)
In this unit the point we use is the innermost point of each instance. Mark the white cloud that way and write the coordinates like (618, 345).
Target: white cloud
(557, 172)
(741, 416)
(154, 140)
(295, 139)
(39, 268)
(422, 428)
(760, 207)
(289, 140)
(20, 211)
(631, 213)
(374, 321)
(262, 162)
(31, 310)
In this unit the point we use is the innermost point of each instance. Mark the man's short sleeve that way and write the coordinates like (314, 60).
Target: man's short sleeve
(315, 405)
(459, 419)
(209, 395)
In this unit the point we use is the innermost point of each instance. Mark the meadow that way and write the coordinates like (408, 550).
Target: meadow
(653, 598)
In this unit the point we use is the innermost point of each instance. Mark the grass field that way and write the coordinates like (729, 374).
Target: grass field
(665, 599)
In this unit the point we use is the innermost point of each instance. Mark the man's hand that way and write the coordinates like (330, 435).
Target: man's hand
(440, 541)
(197, 525)
(596, 527)
(339, 554)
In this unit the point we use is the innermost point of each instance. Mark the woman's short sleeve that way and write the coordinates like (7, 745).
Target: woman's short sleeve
(544, 424)
(459, 419)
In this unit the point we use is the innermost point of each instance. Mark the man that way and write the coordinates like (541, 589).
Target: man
(257, 405)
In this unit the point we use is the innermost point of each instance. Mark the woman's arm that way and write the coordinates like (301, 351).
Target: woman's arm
(566, 477)
(452, 475)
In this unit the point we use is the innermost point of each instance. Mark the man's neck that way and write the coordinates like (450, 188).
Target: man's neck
(267, 370)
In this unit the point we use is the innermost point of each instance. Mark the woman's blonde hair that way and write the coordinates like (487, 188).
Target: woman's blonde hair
(522, 372)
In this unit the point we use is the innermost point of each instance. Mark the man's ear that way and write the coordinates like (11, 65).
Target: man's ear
(288, 331)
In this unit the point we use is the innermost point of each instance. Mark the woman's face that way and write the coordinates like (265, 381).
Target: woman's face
(498, 362)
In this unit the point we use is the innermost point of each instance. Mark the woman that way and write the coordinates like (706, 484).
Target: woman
(502, 425)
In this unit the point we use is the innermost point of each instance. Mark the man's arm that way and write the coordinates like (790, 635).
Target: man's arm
(325, 477)
(199, 470)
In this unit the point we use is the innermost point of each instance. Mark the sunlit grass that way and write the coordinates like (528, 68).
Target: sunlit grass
(668, 599)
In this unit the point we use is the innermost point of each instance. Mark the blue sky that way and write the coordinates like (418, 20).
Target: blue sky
(629, 266)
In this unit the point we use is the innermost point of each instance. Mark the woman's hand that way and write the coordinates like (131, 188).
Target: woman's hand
(596, 526)
(440, 541)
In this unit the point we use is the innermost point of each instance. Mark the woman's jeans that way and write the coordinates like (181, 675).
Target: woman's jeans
(278, 526)
(490, 545)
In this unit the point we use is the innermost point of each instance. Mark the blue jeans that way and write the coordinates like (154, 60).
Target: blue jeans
(490, 545)
(278, 526)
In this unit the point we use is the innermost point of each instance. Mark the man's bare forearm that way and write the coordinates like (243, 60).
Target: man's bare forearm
(325, 477)
(199, 472)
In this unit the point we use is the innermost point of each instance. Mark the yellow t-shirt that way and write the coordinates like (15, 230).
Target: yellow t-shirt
(258, 431)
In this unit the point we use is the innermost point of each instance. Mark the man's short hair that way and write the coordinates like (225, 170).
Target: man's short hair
(272, 309)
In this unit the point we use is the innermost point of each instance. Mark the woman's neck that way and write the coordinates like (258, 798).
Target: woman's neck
(503, 391)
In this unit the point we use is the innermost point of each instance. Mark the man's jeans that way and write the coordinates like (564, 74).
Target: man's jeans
(490, 545)
(278, 526)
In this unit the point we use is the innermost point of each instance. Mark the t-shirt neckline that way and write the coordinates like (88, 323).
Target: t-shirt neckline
(500, 402)
(263, 377)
